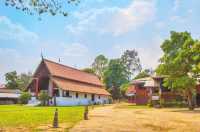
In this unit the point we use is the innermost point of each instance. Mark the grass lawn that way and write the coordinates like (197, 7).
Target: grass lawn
(31, 118)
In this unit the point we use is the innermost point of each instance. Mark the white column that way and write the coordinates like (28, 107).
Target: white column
(60, 92)
(50, 88)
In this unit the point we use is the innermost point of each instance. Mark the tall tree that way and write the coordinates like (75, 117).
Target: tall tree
(114, 76)
(131, 61)
(42, 6)
(99, 65)
(144, 73)
(14, 81)
(11, 80)
(180, 63)
(24, 80)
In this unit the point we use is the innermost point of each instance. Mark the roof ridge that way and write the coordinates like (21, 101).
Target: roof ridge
(69, 67)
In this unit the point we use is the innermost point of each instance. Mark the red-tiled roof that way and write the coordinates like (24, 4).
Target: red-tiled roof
(67, 72)
(2, 86)
(6, 90)
(79, 87)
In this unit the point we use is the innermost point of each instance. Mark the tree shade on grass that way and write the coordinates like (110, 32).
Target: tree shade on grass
(15, 116)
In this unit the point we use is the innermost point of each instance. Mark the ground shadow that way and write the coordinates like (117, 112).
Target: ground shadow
(196, 111)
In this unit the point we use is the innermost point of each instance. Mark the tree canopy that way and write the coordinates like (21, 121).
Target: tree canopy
(180, 63)
(144, 73)
(131, 61)
(114, 76)
(39, 7)
(14, 81)
(24, 80)
(99, 65)
(118, 71)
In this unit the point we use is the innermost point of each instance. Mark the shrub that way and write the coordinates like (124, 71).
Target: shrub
(43, 97)
(25, 97)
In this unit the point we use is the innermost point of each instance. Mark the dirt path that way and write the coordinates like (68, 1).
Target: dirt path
(122, 119)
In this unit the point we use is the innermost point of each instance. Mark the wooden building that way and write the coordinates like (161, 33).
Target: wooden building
(8, 96)
(149, 88)
(67, 85)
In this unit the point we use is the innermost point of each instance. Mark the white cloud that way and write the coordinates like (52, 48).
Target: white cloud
(16, 32)
(114, 20)
(125, 20)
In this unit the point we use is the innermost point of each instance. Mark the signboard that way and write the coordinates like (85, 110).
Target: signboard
(155, 97)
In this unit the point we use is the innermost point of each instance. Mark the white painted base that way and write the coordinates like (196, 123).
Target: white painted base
(64, 101)
(33, 102)
(70, 101)
(75, 100)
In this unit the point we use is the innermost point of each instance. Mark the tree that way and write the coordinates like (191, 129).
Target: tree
(43, 97)
(114, 76)
(24, 80)
(144, 73)
(180, 63)
(24, 97)
(99, 65)
(42, 6)
(131, 61)
(88, 70)
(12, 80)
(123, 88)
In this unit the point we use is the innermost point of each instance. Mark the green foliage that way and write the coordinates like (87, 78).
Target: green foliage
(144, 73)
(180, 63)
(123, 88)
(89, 70)
(24, 80)
(116, 72)
(131, 61)
(24, 97)
(39, 7)
(43, 97)
(99, 65)
(12, 80)
(114, 76)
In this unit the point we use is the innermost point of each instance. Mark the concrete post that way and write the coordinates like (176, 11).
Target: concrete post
(86, 113)
(55, 120)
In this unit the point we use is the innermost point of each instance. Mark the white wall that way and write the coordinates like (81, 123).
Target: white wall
(81, 100)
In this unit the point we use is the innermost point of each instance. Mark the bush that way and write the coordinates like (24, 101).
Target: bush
(24, 97)
(44, 98)
(176, 104)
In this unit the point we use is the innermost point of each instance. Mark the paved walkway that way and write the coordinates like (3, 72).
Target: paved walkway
(115, 119)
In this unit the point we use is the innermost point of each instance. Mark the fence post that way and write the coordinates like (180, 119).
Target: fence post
(86, 113)
(55, 120)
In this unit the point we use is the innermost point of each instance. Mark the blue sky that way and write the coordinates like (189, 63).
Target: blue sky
(93, 27)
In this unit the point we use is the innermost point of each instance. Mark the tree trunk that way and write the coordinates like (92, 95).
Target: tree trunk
(190, 100)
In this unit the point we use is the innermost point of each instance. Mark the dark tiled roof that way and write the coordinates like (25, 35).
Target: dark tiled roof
(67, 72)
(79, 87)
